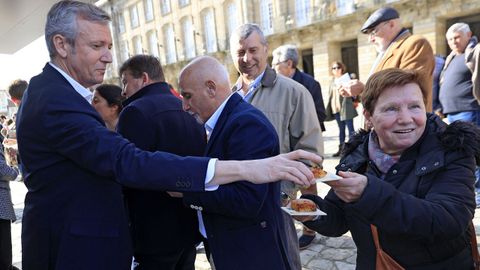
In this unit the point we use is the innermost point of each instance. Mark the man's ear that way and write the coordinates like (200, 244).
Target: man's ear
(145, 78)
(61, 45)
(290, 63)
(15, 100)
(211, 88)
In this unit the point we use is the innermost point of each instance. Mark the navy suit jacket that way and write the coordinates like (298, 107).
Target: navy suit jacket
(74, 170)
(153, 120)
(243, 221)
(315, 90)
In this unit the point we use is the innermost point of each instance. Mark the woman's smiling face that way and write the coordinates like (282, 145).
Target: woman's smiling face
(399, 117)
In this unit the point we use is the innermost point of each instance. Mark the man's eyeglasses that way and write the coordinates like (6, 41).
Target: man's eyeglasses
(335, 68)
(374, 32)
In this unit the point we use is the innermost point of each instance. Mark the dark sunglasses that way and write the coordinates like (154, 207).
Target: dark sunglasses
(334, 68)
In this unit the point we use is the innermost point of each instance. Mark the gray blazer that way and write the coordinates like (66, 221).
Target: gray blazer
(7, 174)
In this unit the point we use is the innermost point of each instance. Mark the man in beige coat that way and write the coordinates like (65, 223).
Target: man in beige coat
(287, 104)
(397, 48)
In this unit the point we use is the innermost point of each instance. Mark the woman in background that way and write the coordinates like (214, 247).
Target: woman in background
(7, 213)
(339, 107)
(107, 100)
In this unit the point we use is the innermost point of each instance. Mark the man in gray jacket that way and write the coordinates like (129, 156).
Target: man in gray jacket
(459, 81)
(286, 103)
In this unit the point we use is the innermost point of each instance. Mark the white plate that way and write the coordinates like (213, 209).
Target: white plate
(292, 212)
(328, 177)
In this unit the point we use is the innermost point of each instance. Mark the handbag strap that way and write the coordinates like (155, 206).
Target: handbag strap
(375, 236)
(473, 244)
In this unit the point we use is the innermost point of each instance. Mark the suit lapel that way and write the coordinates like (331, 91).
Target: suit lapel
(231, 104)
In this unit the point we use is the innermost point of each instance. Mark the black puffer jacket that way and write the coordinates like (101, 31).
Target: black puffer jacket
(423, 206)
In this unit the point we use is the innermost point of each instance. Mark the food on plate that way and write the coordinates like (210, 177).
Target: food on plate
(318, 172)
(303, 205)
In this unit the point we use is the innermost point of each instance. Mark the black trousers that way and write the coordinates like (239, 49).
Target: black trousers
(5, 244)
(183, 259)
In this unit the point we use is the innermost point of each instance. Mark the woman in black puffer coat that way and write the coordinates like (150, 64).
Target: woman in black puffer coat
(411, 175)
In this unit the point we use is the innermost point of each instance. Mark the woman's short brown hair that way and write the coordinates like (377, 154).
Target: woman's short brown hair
(388, 78)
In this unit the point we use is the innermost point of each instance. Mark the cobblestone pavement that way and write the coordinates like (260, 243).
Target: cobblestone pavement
(326, 253)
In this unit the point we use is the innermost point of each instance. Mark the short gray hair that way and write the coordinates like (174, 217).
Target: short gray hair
(244, 31)
(459, 27)
(284, 53)
(62, 20)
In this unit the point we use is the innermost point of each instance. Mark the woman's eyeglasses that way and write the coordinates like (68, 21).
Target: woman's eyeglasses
(335, 68)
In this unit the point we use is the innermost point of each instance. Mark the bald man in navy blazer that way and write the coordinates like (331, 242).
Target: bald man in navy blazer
(243, 224)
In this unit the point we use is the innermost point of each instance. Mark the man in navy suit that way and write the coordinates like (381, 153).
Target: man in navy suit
(285, 61)
(153, 120)
(74, 167)
(241, 222)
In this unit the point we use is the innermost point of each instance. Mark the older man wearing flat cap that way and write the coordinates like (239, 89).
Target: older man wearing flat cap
(397, 48)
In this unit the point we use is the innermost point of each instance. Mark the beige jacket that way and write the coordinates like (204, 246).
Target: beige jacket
(412, 52)
(291, 110)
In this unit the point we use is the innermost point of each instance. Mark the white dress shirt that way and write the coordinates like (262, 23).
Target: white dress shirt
(209, 126)
(84, 92)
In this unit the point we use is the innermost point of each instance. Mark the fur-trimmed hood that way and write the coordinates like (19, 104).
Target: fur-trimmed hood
(458, 136)
(462, 136)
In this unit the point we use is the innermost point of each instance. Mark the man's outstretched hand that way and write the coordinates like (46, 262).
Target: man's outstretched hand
(283, 167)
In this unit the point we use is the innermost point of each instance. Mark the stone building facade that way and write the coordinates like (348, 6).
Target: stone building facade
(324, 30)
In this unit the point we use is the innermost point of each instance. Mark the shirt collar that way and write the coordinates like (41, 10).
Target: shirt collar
(251, 87)
(84, 92)
(212, 121)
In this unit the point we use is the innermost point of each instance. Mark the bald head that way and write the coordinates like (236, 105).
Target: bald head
(207, 68)
(204, 85)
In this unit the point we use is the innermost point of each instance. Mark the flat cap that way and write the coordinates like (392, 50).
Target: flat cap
(380, 15)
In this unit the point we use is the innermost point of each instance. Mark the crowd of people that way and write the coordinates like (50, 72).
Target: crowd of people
(9, 171)
(136, 175)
